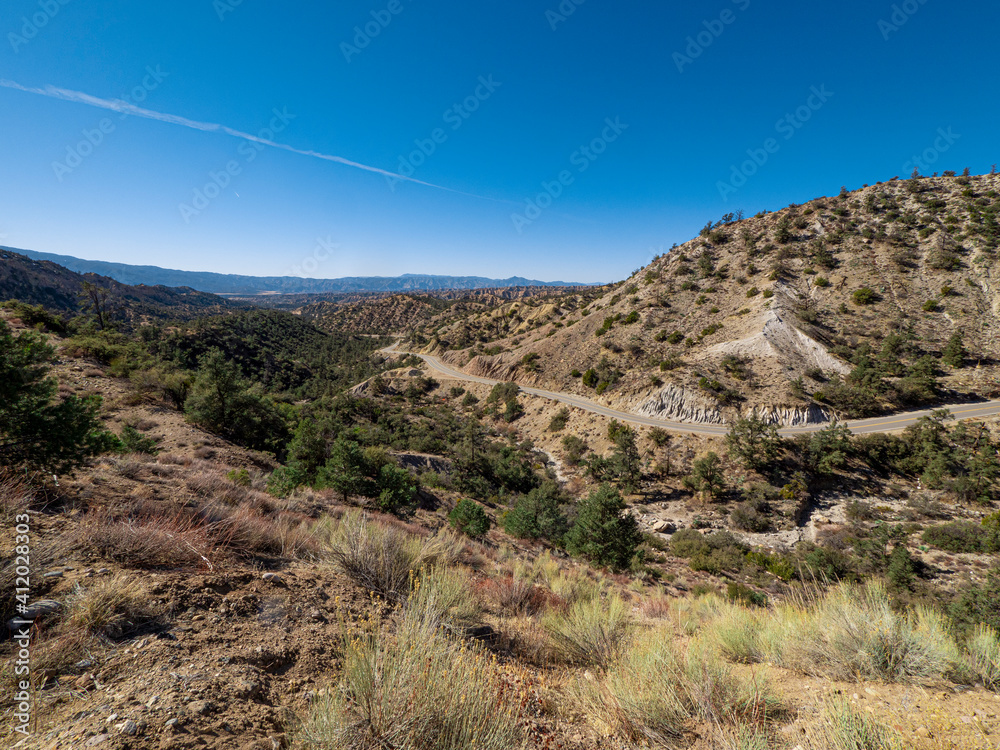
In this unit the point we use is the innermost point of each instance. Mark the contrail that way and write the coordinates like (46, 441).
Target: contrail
(125, 108)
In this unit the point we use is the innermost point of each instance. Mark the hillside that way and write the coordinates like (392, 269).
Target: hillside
(45, 283)
(220, 283)
(403, 313)
(840, 306)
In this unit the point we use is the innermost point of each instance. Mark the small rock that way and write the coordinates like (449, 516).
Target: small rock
(53, 574)
(96, 740)
(272, 577)
(200, 707)
(111, 718)
(171, 723)
(102, 571)
(923, 732)
(128, 728)
(84, 682)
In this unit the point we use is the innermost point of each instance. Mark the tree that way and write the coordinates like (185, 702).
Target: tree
(101, 300)
(396, 489)
(538, 515)
(954, 353)
(753, 442)
(829, 448)
(346, 471)
(625, 459)
(469, 518)
(706, 475)
(221, 400)
(661, 439)
(602, 532)
(37, 431)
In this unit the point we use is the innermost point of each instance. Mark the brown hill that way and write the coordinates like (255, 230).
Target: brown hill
(772, 312)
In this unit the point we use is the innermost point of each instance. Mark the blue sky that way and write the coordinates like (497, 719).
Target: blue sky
(583, 142)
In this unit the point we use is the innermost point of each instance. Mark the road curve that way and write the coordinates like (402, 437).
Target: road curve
(890, 423)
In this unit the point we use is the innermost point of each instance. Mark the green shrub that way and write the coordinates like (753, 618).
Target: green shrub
(469, 518)
(559, 421)
(864, 296)
(961, 536)
(132, 441)
(843, 728)
(632, 317)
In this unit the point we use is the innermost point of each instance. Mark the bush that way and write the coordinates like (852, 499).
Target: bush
(592, 633)
(984, 655)
(559, 421)
(538, 515)
(396, 488)
(573, 449)
(416, 689)
(602, 533)
(133, 441)
(961, 536)
(469, 518)
(864, 296)
(379, 558)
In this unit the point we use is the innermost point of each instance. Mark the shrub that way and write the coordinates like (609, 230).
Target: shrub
(632, 317)
(417, 689)
(441, 596)
(469, 518)
(821, 281)
(591, 633)
(147, 541)
(559, 421)
(601, 532)
(573, 449)
(396, 489)
(984, 655)
(854, 633)
(961, 536)
(380, 558)
(864, 296)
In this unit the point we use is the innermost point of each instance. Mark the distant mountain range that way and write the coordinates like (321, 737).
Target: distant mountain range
(233, 284)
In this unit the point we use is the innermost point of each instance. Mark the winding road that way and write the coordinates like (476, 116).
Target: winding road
(890, 423)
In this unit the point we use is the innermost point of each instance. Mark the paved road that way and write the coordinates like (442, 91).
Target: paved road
(890, 423)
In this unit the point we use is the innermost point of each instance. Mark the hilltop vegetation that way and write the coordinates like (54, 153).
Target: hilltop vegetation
(853, 305)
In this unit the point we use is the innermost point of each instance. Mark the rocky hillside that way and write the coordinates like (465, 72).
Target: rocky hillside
(405, 313)
(843, 305)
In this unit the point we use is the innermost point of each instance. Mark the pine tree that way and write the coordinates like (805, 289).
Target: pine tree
(954, 353)
(37, 431)
(753, 442)
(602, 532)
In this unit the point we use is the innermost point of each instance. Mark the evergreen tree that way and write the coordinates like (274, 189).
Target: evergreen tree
(602, 532)
(625, 459)
(828, 449)
(954, 353)
(346, 471)
(706, 475)
(753, 442)
(37, 431)
(469, 518)
(538, 515)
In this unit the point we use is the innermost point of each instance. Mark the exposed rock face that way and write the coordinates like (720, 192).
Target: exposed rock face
(675, 403)
(791, 416)
(780, 339)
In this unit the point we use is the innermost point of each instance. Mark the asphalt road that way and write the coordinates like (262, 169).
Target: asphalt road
(890, 423)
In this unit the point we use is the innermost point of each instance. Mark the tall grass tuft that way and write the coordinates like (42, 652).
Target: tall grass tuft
(591, 633)
(843, 728)
(984, 656)
(419, 689)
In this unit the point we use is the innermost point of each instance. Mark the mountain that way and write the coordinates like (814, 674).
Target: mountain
(46, 283)
(219, 283)
(843, 306)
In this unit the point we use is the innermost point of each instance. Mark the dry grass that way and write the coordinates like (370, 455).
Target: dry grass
(15, 498)
(419, 689)
(109, 607)
(984, 656)
(514, 596)
(592, 633)
(843, 728)
(443, 598)
(174, 540)
(384, 558)
(649, 693)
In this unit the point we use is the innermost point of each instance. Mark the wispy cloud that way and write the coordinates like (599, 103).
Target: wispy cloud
(125, 108)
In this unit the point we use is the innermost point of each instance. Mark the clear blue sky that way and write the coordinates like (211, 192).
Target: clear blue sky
(655, 182)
